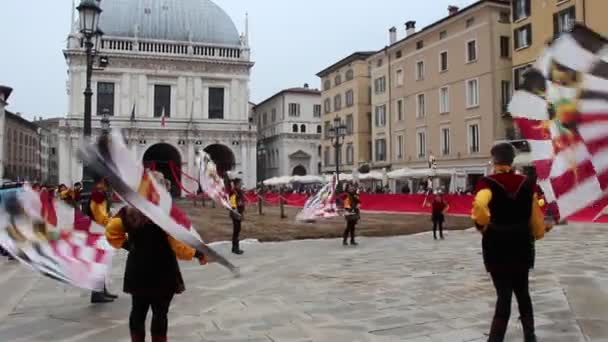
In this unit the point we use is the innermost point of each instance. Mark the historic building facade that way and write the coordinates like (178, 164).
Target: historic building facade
(177, 81)
(443, 91)
(289, 132)
(21, 147)
(346, 96)
(5, 93)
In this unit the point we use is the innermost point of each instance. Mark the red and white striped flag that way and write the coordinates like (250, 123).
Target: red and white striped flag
(562, 110)
(55, 239)
(322, 205)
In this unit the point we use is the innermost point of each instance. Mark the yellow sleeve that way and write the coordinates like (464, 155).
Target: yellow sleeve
(182, 251)
(115, 233)
(537, 220)
(347, 203)
(480, 212)
(100, 212)
(233, 201)
(64, 194)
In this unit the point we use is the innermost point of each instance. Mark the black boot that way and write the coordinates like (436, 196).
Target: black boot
(236, 249)
(527, 324)
(498, 330)
(99, 298)
(353, 243)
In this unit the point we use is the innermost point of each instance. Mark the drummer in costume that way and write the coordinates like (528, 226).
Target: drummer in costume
(152, 274)
(439, 206)
(98, 209)
(351, 205)
(506, 211)
(237, 201)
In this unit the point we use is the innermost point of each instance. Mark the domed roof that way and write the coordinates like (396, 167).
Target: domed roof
(200, 21)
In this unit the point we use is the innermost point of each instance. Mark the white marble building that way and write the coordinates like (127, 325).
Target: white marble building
(183, 59)
(289, 133)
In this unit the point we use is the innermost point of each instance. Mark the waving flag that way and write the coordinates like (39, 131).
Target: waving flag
(322, 205)
(562, 111)
(55, 239)
(210, 181)
(138, 187)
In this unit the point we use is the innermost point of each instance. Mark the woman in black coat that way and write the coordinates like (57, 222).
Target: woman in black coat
(152, 274)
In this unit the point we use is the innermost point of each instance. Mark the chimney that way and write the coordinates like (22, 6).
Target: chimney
(410, 28)
(392, 35)
(305, 85)
(453, 9)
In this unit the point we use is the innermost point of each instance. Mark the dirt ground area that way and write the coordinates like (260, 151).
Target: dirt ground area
(214, 224)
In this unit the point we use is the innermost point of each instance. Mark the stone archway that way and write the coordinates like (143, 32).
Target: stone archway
(222, 156)
(299, 171)
(162, 157)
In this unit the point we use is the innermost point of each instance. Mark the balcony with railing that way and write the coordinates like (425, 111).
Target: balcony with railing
(115, 44)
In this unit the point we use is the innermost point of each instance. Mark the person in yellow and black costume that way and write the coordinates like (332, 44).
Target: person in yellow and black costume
(237, 201)
(506, 211)
(98, 210)
(152, 274)
(353, 214)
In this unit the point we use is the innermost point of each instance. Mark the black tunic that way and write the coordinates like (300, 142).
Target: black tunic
(152, 267)
(508, 243)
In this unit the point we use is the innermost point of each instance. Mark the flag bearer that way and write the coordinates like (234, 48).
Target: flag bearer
(351, 205)
(507, 214)
(237, 201)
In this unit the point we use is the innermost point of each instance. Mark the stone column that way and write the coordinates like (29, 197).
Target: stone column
(65, 167)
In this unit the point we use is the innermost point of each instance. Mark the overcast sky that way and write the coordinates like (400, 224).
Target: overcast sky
(291, 41)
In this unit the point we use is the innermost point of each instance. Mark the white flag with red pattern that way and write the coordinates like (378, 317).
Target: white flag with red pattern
(562, 110)
(55, 239)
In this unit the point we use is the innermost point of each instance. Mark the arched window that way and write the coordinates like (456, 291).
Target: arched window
(319, 129)
(338, 79)
(294, 128)
(303, 129)
(326, 85)
(349, 75)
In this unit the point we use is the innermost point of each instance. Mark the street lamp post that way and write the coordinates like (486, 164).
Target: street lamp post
(337, 133)
(89, 12)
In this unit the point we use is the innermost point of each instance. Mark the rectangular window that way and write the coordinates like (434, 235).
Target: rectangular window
(474, 138)
(523, 37)
(505, 91)
(350, 98)
(274, 114)
(505, 47)
(327, 105)
(380, 149)
(419, 70)
(419, 44)
(379, 63)
(445, 141)
(443, 61)
(399, 147)
(399, 77)
(105, 98)
(471, 51)
(443, 34)
(420, 106)
(265, 119)
(504, 17)
(521, 9)
(369, 122)
(349, 154)
(316, 111)
(380, 116)
(349, 124)
(380, 85)
(216, 103)
(421, 142)
(398, 54)
(162, 100)
(369, 151)
(399, 110)
(294, 109)
(472, 93)
(564, 20)
(470, 22)
(326, 129)
(337, 102)
(518, 75)
(444, 100)
(326, 157)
